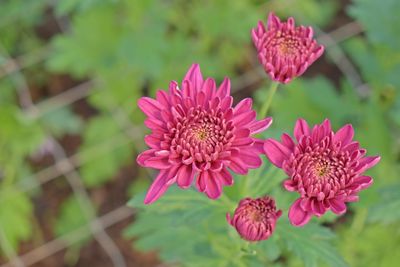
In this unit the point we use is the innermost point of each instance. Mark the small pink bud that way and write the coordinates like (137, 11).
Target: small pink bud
(255, 219)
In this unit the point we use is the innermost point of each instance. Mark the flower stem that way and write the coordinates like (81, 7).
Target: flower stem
(267, 104)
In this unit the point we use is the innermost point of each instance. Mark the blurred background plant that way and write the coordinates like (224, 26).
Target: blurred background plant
(70, 75)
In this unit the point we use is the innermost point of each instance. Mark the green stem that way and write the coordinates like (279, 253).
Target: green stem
(267, 104)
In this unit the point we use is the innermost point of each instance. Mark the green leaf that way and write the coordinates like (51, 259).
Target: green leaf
(62, 121)
(15, 216)
(388, 209)
(311, 243)
(102, 166)
(380, 19)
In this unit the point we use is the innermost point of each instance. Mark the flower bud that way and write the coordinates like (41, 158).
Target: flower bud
(255, 219)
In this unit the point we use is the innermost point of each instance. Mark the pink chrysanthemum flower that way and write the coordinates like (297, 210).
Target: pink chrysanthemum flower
(198, 135)
(326, 168)
(255, 219)
(284, 50)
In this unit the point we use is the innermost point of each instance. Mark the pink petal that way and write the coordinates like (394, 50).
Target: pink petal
(157, 188)
(301, 129)
(149, 106)
(145, 155)
(201, 181)
(194, 75)
(225, 177)
(243, 106)
(244, 118)
(327, 127)
(361, 182)
(290, 185)
(238, 166)
(366, 163)
(337, 206)
(344, 135)
(160, 163)
(261, 125)
(184, 176)
(287, 141)
(276, 152)
(258, 145)
(224, 89)
(163, 98)
(273, 21)
(209, 88)
(152, 141)
(213, 188)
(249, 158)
(297, 216)
(226, 103)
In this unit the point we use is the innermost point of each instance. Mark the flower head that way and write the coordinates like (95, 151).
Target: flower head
(284, 50)
(198, 135)
(326, 168)
(255, 219)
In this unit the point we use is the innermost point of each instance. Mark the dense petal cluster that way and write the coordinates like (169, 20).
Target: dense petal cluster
(198, 135)
(284, 50)
(255, 219)
(326, 168)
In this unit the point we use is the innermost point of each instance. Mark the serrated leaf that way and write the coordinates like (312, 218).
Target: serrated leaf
(15, 216)
(311, 243)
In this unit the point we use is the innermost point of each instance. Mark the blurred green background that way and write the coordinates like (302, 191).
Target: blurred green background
(71, 72)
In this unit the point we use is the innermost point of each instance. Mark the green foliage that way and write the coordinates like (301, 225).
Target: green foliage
(101, 166)
(388, 209)
(19, 136)
(371, 246)
(62, 121)
(311, 243)
(131, 48)
(187, 227)
(380, 20)
(15, 217)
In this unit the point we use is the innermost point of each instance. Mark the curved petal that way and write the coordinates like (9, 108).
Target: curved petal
(243, 106)
(145, 155)
(213, 187)
(298, 216)
(300, 129)
(149, 106)
(224, 89)
(261, 125)
(344, 135)
(366, 163)
(157, 188)
(194, 75)
(337, 206)
(184, 176)
(276, 152)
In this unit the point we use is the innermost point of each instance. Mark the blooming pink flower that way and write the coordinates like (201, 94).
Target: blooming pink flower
(326, 168)
(197, 135)
(255, 219)
(284, 50)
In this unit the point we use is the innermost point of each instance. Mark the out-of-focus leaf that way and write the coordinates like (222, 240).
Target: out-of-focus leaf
(103, 165)
(71, 217)
(62, 121)
(311, 243)
(310, 11)
(374, 246)
(388, 209)
(380, 19)
(15, 216)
